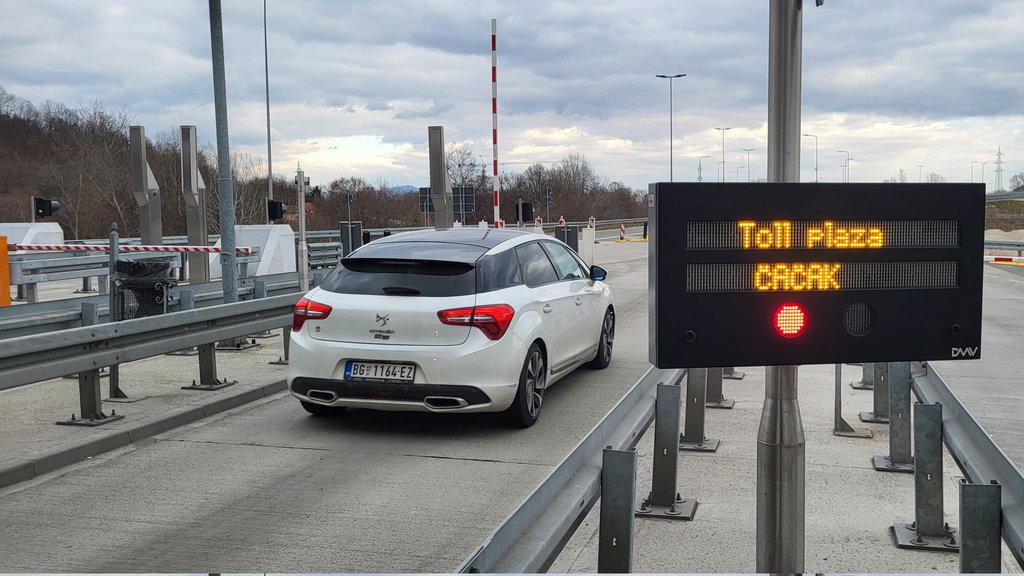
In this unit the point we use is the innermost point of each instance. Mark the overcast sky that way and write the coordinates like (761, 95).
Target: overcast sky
(354, 84)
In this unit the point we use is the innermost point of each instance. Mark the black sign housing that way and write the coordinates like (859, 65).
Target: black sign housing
(788, 273)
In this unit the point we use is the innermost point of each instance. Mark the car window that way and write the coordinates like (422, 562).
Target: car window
(537, 268)
(567, 266)
(396, 277)
(497, 271)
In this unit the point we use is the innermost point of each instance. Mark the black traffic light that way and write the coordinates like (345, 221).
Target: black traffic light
(275, 209)
(547, 196)
(43, 207)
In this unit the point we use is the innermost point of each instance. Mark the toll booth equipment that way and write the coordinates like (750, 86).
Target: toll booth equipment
(569, 235)
(142, 288)
(787, 274)
(351, 236)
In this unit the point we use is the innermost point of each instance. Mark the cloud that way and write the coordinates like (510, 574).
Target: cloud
(934, 82)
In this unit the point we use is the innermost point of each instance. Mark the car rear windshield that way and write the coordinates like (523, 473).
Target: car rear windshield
(432, 278)
(391, 277)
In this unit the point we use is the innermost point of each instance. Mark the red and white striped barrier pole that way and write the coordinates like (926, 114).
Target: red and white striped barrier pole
(125, 248)
(494, 120)
(622, 232)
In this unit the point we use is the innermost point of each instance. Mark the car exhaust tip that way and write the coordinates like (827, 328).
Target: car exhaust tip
(322, 395)
(444, 402)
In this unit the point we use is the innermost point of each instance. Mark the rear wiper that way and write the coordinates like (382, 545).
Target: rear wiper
(400, 291)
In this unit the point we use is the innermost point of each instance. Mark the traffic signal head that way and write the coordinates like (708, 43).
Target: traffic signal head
(43, 207)
(275, 209)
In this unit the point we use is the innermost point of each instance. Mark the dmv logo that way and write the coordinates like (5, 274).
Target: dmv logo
(968, 352)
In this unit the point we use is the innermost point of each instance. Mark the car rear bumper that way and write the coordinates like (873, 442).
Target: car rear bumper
(397, 396)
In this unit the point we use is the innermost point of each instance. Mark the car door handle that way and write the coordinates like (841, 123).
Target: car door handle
(547, 308)
(579, 301)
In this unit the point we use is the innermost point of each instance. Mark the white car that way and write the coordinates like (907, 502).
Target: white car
(459, 320)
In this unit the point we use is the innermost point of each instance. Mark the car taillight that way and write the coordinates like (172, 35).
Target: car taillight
(306, 309)
(493, 319)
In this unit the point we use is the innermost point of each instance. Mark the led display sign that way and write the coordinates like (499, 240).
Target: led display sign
(778, 274)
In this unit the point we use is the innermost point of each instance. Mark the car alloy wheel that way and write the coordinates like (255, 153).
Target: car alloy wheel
(606, 342)
(525, 409)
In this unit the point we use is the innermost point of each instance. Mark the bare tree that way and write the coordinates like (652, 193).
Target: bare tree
(900, 177)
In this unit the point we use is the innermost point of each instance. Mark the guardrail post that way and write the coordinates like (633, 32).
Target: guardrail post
(186, 301)
(693, 438)
(89, 400)
(900, 458)
(664, 501)
(841, 426)
(928, 531)
(981, 518)
(618, 492)
(867, 380)
(207, 356)
(31, 293)
(259, 290)
(880, 414)
(716, 399)
(730, 373)
(86, 285)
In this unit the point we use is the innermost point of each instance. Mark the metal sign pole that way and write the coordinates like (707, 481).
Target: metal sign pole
(780, 436)
(194, 192)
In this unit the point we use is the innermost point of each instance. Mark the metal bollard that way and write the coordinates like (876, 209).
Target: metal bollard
(716, 399)
(730, 373)
(880, 414)
(981, 519)
(693, 437)
(900, 458)
(618, 491)
(664, 501)
(867, 380)
(841, 427)
(928, 531)
(89, 390)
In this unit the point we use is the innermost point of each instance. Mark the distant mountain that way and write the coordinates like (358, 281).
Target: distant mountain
(405, 189)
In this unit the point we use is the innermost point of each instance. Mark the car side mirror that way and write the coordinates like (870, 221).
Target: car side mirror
(598, 273)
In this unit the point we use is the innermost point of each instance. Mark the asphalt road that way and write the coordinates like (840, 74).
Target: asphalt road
(267, 488)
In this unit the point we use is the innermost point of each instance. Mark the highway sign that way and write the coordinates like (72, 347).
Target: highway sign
(787, 274)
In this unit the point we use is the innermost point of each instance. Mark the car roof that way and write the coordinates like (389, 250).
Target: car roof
(452, 244)
(482, 237)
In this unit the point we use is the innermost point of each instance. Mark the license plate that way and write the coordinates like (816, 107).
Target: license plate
(379, 371)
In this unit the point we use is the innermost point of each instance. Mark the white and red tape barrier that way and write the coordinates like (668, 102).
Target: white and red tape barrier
(125, 248)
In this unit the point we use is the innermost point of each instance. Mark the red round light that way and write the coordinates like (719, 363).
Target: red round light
(790, 320)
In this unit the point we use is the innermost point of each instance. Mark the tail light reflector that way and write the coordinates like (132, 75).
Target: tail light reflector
(306, 309)
(493, 319)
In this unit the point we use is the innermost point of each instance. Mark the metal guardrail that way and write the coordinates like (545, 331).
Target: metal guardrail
(40, 357)
(530, 538)
(1005, 245)
(976, 453)
(47, 317)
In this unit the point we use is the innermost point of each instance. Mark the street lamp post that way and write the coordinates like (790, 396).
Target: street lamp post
(846, 173)
(973, 162)
(738, 168)
(983, 172)
(815, 155)
(920, 170)
(670, 158)
(722, 130)
(700, 178)
(748, 151)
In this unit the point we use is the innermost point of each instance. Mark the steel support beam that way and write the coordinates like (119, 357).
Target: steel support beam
(618, 492)
(664, 500)
(693, 438)
(900, 458)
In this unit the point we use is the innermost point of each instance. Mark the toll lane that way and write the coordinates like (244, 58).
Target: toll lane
(267, 488)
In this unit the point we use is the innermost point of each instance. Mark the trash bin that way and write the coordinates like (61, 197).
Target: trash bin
(142, 287)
